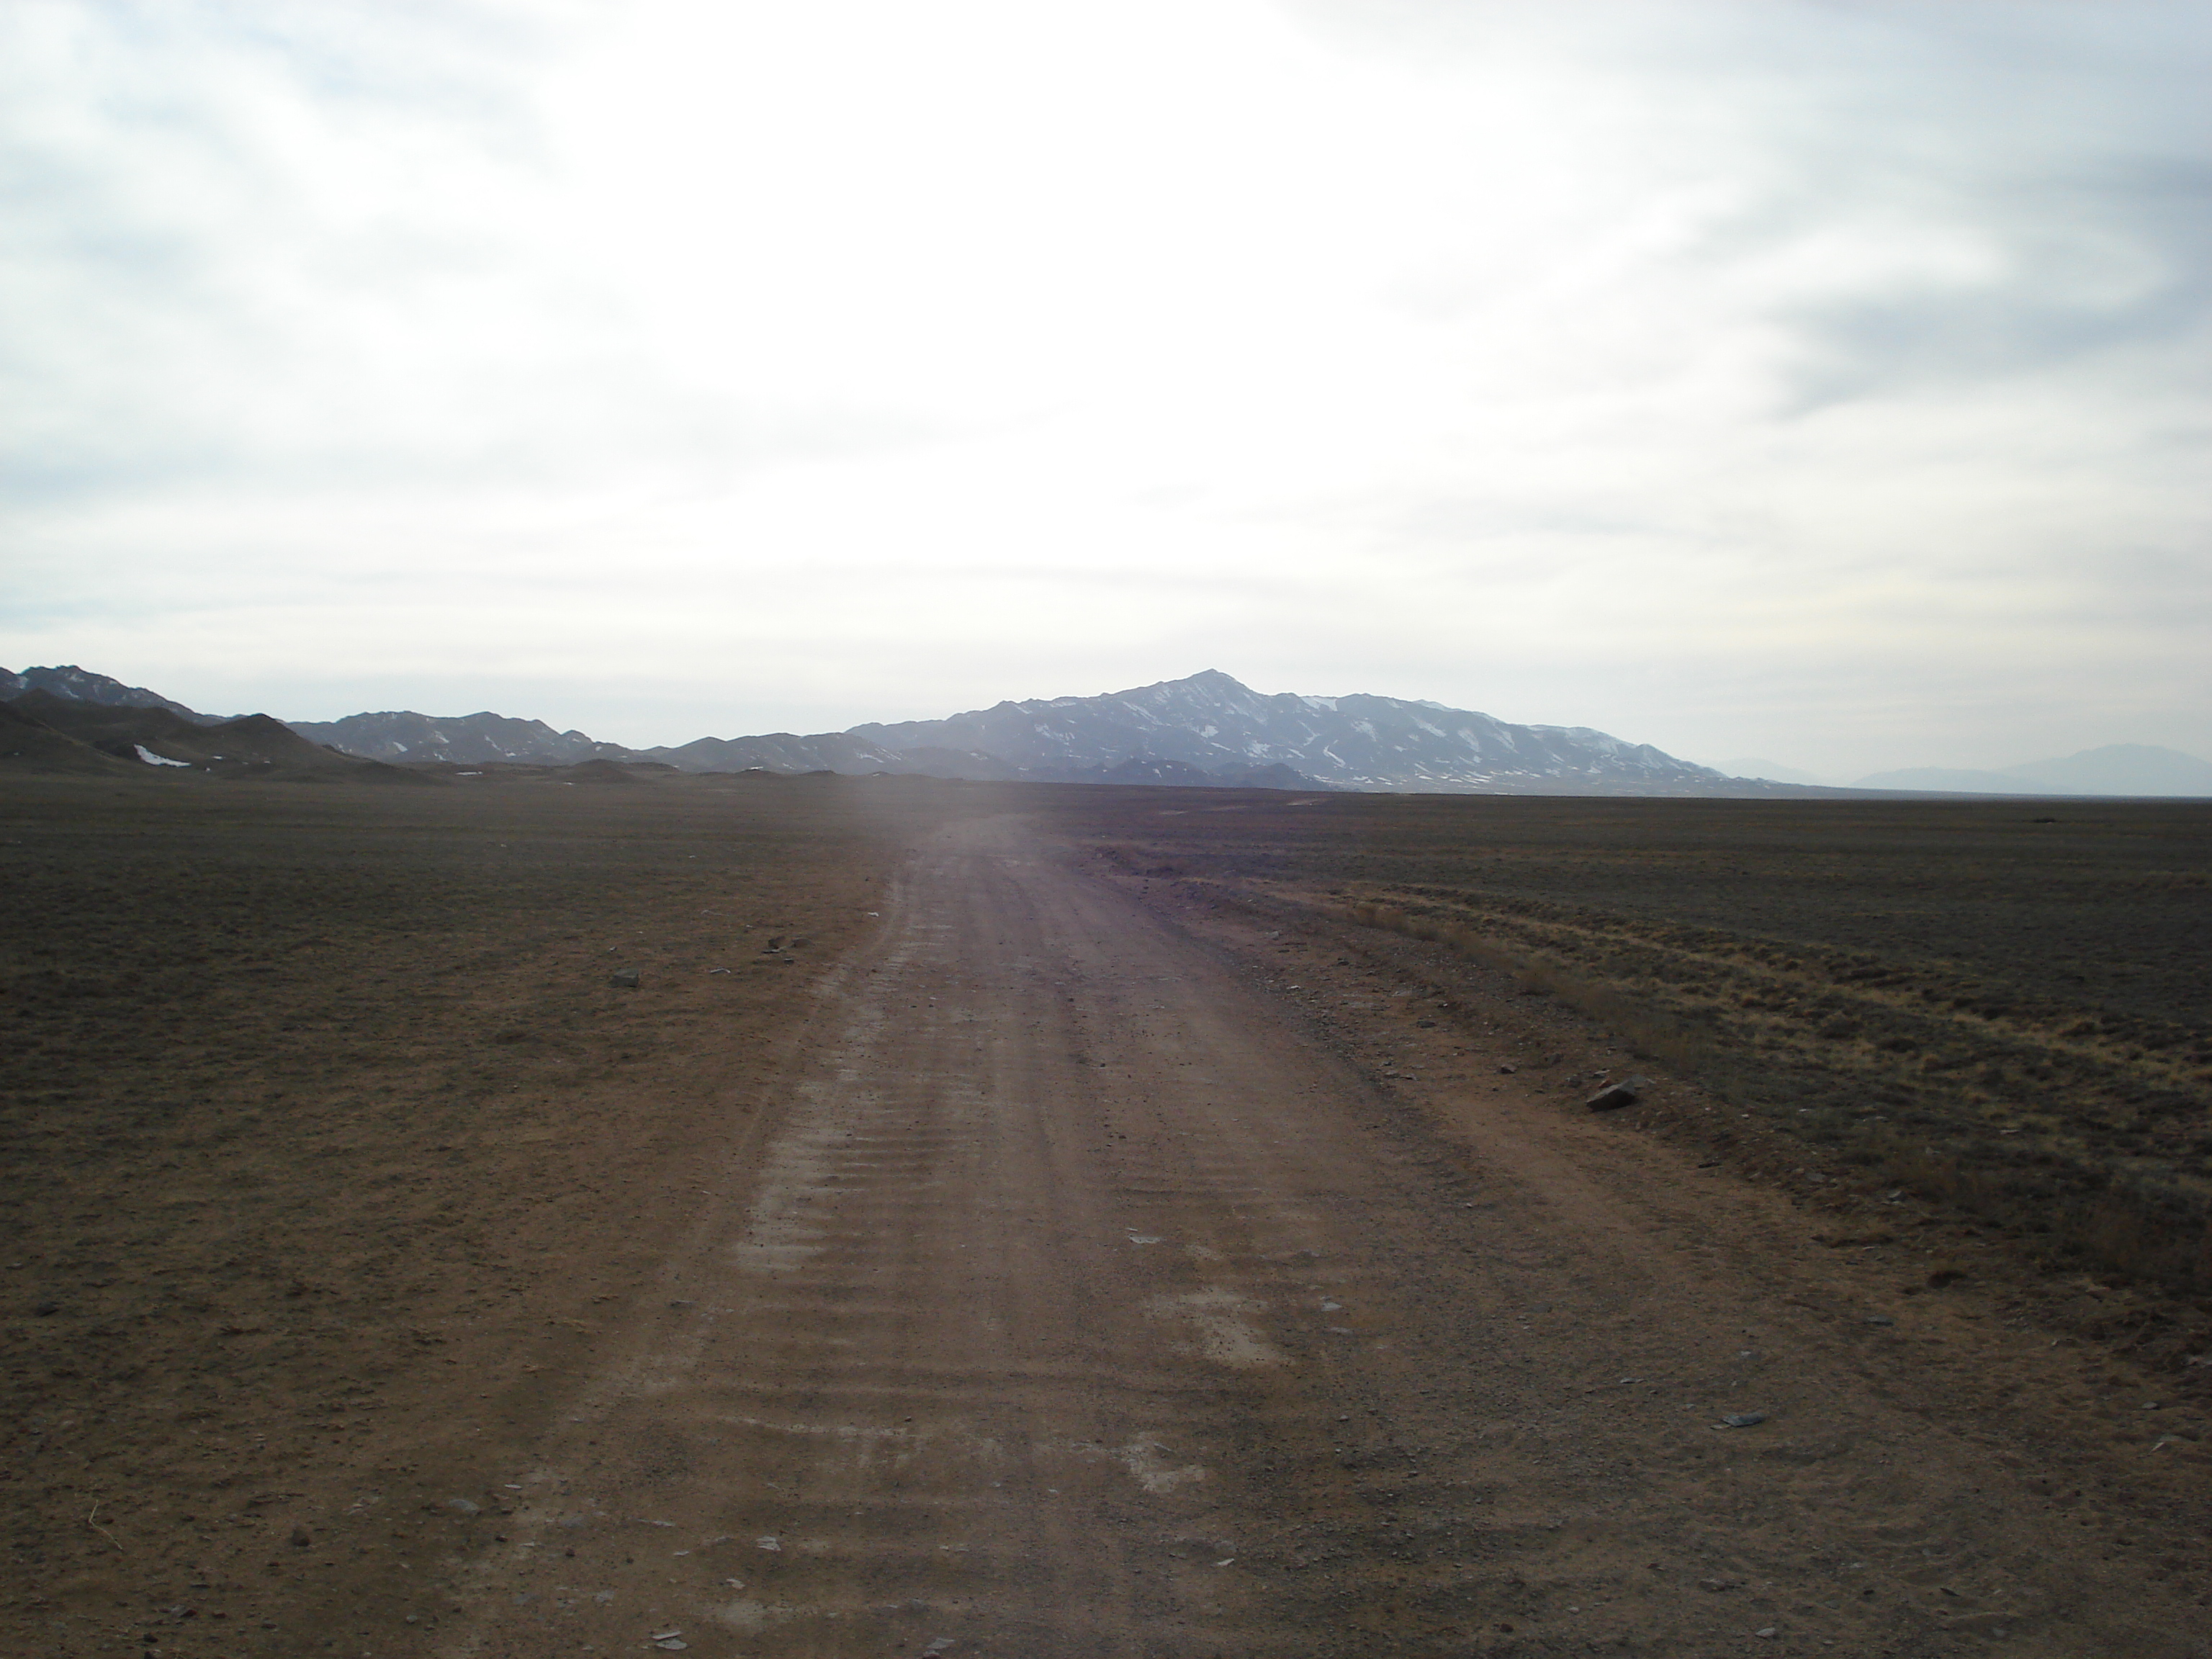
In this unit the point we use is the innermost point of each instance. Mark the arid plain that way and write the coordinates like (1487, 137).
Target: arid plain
(1034, 1220)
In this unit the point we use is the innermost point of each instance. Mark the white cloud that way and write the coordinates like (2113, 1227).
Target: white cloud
(1800, 379)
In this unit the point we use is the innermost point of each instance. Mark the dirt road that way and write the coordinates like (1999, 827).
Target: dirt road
(1079, 1302)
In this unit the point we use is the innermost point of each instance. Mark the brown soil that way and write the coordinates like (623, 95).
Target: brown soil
(1055, 1262)
(330, 1148)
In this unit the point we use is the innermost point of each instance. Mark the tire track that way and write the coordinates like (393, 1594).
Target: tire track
(1080, 1307)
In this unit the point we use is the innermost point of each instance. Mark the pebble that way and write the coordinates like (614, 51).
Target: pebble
(1742, 1420)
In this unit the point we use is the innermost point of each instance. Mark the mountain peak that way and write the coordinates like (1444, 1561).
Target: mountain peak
(1207, 727)
(1207, 683)
(74, 685)
(1212, 723)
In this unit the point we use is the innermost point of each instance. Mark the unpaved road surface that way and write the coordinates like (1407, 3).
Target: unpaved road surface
(1077, 1301)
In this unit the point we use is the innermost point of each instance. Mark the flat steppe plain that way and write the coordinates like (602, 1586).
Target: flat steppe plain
(1084, 1221)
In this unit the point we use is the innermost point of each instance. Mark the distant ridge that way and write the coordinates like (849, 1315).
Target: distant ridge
(403, 735)
(2117, 769)
(1212, 730)
(1208, 730)
(1951, 780)
(1214, 723)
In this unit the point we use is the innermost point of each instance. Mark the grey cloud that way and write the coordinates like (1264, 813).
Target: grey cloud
(1462, 524)
(152, 227)
(195, 311)
(2070, 142)
(190, 297)
(458, 58)
(2058, 299)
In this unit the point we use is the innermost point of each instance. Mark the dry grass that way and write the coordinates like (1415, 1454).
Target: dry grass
(2001, 1012)
(1971, 1145)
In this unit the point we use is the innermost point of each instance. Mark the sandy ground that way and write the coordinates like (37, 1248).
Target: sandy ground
(1079, 1291)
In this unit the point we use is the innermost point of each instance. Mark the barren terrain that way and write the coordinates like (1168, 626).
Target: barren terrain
(1085, 1233)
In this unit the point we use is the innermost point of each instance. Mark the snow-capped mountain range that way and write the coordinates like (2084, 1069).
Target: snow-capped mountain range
(1212, 722)
(1207, 729)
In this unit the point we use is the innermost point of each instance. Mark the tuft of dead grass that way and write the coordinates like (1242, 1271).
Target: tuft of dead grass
(2002, 1010)
(2062, 1189)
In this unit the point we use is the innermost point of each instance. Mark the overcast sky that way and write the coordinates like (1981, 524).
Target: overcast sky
(1825, 380)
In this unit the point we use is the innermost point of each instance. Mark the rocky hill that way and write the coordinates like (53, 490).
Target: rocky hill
(49, 732)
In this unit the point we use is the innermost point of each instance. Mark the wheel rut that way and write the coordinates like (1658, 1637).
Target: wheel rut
(1078, 1305)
